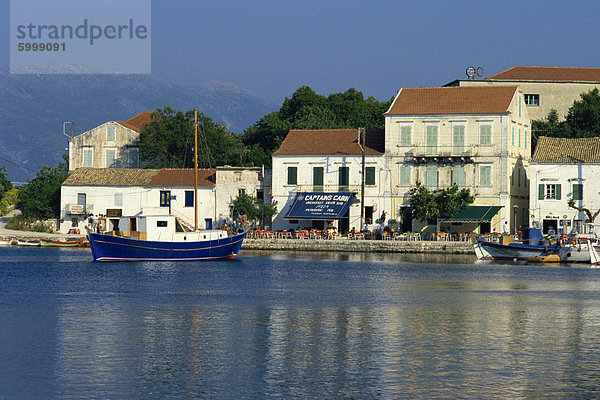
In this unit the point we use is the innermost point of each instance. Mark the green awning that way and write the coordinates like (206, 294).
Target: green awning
(473, 214)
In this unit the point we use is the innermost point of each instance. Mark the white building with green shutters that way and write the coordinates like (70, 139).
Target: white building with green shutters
(561, 170)
(475, 137)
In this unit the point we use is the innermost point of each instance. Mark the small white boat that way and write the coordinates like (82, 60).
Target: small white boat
(5, 242)
(27, 243)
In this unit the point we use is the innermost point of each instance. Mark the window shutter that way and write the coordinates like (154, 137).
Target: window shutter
(577, 191)
(558, 192)
(292, 175)
(318, 176)
(370, 176)
(405, 175)
(541, 191)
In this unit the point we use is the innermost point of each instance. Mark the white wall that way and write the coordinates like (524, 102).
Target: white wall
(565, 175)
(284, 194)
(131, 200)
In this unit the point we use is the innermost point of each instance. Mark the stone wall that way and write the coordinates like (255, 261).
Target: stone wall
(377, 246)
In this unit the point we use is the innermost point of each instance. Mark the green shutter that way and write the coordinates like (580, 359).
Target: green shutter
(405, 135)
(485, 134)
(458, 174)
(344, 178)
(292, 175)
(370, 176)
(558, 192)
(432, 139)
(458, 138)
(431, 177)
(318, 176)
(405, 175)
(577, 191)
(541, 191)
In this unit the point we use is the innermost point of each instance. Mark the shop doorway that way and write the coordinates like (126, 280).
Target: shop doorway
(368, 214)
(548, 223)
(344, 224)
(406, 219)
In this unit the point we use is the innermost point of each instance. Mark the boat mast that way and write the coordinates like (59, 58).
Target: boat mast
(195, 169)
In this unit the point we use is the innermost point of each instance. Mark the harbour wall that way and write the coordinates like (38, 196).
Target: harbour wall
(376, 246)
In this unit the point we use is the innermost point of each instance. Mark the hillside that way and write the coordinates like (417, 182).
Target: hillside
(33, 108)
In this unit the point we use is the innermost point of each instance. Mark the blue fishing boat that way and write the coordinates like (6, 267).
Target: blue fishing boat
(164, 237)
(165, 241)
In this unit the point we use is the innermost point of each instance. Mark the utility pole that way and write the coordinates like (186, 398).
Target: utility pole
(195, 169)
(361, 143)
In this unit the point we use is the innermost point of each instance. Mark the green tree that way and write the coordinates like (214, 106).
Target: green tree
(5, 184)
(40, 197)
(428, 205)
(168, 141)
(422, 202)
(254, 208)
(582, 120)
(306, 109)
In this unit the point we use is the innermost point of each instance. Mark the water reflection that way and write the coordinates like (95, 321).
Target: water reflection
(363, 257)
(302, 326)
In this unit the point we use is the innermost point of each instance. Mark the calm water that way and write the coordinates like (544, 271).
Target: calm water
(288, 326)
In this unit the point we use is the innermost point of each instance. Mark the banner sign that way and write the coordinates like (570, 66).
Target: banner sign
(323, 206)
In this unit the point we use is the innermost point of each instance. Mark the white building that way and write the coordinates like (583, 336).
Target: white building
(329, 161)
(562, 170)
(475, 137)
(115, 192)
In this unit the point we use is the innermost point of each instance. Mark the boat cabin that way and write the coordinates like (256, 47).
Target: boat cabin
(163, 228)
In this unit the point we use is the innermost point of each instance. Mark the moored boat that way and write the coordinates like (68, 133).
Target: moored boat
(5, 242)
(532, 245)
(27, 243)
(163, 242)
(164, 237)
(61, 242)
(594, 257)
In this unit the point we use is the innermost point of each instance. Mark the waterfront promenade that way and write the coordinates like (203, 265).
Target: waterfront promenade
(377, 246)
(340, 244)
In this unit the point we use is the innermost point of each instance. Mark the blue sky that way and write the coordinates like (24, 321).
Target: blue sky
(273, 47)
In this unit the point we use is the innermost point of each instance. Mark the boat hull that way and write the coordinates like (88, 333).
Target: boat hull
(60, 243)
(116, 248)
(580, 252)
(495, 251)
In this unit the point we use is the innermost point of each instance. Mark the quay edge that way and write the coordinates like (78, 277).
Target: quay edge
(375, 246)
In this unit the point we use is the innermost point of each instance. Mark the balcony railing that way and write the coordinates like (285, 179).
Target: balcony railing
(448, 151)
(333, 188)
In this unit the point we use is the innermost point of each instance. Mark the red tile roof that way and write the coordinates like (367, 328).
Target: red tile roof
(549, 74)
(183, 177)
(139, 121)
(139, 177)
(453, 100)
(330, 142)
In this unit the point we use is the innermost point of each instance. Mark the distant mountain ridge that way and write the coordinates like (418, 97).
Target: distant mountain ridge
(33, 108)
